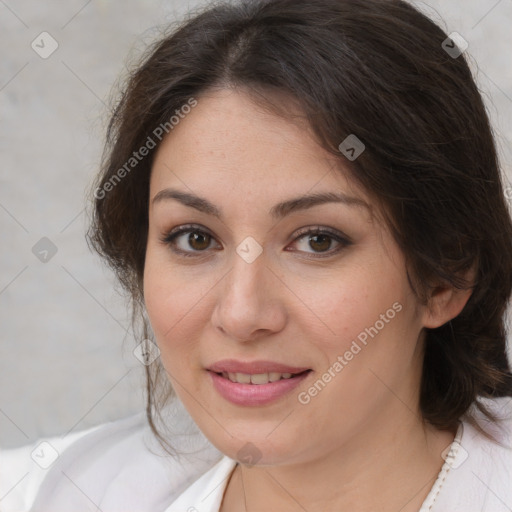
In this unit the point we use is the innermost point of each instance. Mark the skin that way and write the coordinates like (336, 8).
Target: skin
(360, 444)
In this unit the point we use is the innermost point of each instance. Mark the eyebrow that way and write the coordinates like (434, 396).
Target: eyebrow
(278, 211)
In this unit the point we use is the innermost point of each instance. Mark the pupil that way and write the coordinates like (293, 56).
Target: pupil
(194, 238)
(322, 246)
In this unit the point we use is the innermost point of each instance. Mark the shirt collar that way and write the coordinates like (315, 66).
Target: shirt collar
(206, 493)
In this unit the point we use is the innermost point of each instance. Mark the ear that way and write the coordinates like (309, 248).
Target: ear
(446, 302)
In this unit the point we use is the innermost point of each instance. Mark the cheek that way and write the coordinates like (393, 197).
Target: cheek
(367, 318)
(345, 304)
(171, 292)
(175, 303)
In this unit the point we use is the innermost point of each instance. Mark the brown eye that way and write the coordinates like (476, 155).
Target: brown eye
(196, 242)
(199, 241)
(315, 241)
(320, 243)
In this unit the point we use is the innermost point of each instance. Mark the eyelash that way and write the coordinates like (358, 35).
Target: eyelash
(169, 240)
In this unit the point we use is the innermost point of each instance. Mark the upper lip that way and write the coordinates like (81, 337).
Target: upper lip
(253, 367)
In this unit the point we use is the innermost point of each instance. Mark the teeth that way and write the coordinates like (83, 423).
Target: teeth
(243, 378)
(259, 378)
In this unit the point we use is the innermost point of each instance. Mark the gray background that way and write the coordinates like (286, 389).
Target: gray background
(66, 359)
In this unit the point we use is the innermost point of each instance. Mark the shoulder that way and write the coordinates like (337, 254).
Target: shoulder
(23, 469)
(478, 472)
(114, 467)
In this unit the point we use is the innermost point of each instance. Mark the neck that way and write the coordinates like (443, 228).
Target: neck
(389, 468)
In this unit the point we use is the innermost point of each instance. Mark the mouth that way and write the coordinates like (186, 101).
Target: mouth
(254, 367)
(256, 383)
(259, 379)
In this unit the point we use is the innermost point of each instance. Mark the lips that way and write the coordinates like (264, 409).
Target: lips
(255, 383)
(251, 395)
(254, 367)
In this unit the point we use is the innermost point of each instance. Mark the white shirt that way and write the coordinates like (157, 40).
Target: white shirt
(120, 466)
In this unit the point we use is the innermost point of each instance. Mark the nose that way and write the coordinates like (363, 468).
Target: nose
(249, 304)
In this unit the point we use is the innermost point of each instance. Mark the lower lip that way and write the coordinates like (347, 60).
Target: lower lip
(255, 394)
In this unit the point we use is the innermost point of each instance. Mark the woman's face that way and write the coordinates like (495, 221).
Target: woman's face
(245, 283)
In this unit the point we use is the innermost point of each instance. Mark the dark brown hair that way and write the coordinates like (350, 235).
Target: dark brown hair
(374, 68)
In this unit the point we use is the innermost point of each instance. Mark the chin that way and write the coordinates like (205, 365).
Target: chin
(255, 449)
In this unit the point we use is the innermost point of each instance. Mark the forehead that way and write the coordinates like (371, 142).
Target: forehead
(229, 142)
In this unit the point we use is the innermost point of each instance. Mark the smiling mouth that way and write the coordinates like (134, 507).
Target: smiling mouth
(259, 378)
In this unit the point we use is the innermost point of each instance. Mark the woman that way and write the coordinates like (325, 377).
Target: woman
(304, 201)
